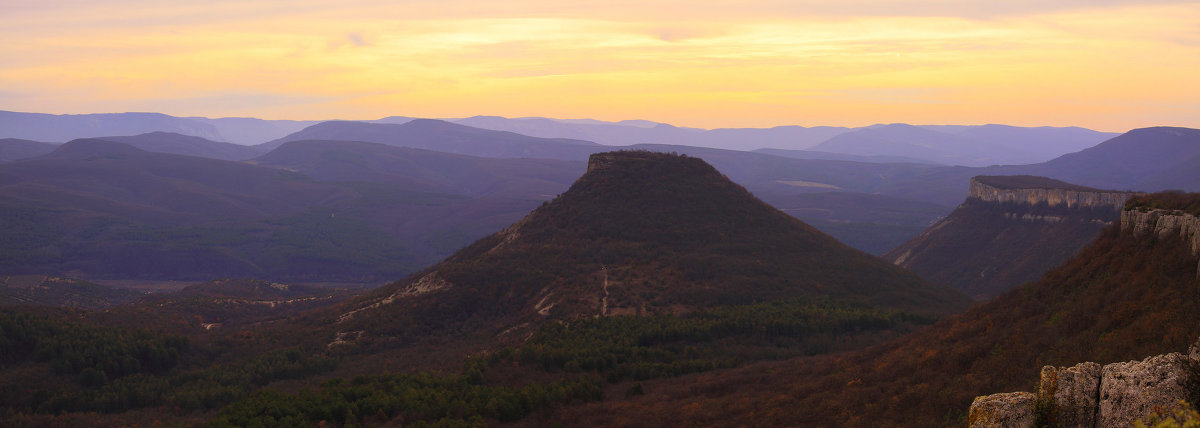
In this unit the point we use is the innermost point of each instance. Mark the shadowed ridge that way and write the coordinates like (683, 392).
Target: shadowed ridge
(85, 148)
(1009, 231)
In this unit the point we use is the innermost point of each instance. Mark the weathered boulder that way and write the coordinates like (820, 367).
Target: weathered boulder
(1069, 394)
(1006, 410)
(1131, 391)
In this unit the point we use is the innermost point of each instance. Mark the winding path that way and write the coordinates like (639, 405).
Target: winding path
(604, 298)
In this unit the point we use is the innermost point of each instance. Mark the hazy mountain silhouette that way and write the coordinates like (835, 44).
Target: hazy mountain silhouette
(631, 132)
(443, 136)
(424, 170)
(1137, 160)
(1029, 144)
(167, 142)
(250, 131)
(107, 209)
(1146, 159)
(811, 154)
(66, 127)
(964, 145)
(14, 149)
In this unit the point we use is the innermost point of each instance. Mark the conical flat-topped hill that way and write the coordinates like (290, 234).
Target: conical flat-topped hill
(644, 233)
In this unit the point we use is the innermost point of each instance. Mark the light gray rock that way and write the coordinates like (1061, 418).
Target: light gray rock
(1130, 391)
(1070, 198)
(1006, 410)
(1164, 224)
(1071, 393)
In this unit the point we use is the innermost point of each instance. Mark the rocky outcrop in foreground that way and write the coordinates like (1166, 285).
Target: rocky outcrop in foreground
(1006, 409)
(1088, 395)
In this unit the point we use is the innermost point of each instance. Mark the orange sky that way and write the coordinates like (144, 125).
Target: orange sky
(1110, 65)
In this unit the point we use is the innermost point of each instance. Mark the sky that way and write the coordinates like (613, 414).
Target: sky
(1110, 65)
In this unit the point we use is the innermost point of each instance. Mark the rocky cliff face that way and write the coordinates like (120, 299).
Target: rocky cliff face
(1088, 395)
(1164, 223)
(604, 161)
(1049, 193)
(1011, 230)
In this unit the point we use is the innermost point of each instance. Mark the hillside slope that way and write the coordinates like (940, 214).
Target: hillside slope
(102, 209)
(1128, 295)
(1010, 230)
(1134, 160)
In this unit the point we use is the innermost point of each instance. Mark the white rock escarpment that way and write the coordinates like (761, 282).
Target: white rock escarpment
(1069, 198)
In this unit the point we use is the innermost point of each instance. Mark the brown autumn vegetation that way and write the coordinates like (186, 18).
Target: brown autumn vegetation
(982, 250)
(1122, 298)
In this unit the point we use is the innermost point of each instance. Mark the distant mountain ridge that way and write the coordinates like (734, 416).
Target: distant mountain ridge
(965, 145)
(250, 131)
(12, 149)
(944, 144)
(66, 127)
(169, 142)
(105, 209)
(431, 134)
(1010, 230)
(633, 132)
(424, 170)
(1146, 159)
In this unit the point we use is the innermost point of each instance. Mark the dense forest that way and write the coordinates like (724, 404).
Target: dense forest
(118, 370)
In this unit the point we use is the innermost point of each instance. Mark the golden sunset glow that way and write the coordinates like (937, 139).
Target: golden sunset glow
(717, 64)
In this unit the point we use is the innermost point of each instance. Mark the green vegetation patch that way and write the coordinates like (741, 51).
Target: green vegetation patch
(95, 354)
(422, 399)
(641, 348)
